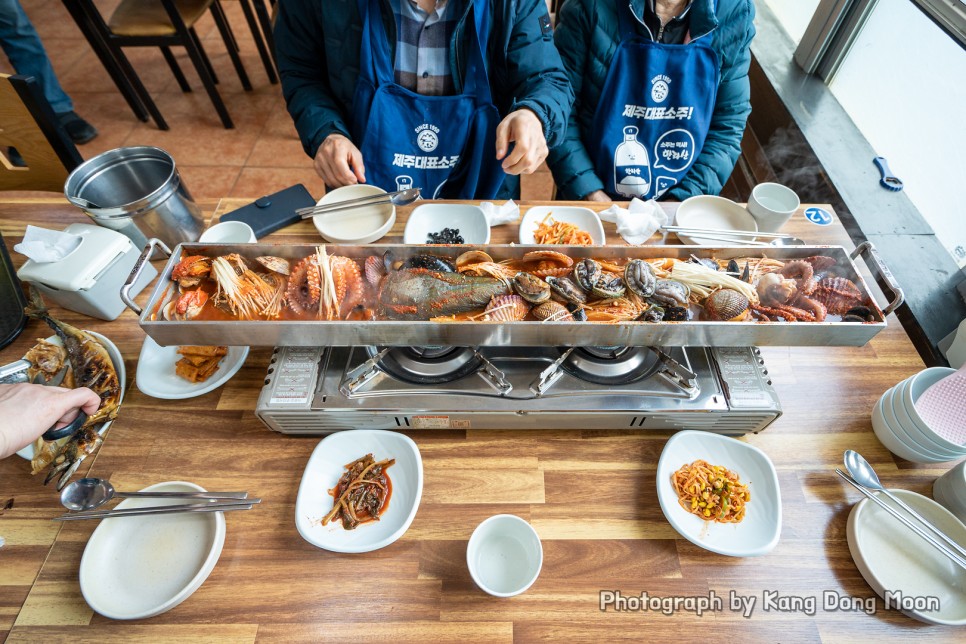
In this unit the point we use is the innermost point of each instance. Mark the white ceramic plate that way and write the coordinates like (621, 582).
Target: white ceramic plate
(709, 211)
(759, 531)
(584, 218)
(137, 567)
(893, 558)
(323, 471)
(362, 225)
(116, 358)
(434, 217)
(156, 375)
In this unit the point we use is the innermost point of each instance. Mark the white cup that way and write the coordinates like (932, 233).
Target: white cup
(504, 555)
(229, 232)
(772, 204)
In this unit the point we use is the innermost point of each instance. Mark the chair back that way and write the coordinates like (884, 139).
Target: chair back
(28, 124)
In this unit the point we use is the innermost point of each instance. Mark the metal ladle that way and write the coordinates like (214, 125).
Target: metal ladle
(862, 472)
(90, 493)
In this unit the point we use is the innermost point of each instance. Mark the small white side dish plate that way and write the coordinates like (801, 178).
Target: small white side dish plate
(361, 225)
(434, 217)
(758, 533)
(583, 218)
(323, 471)
(116, 358)
(709, 211)
(894, 559)
(137, 567)
(156, 375)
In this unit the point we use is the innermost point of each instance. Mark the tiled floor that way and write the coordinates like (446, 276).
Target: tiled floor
(261, 155)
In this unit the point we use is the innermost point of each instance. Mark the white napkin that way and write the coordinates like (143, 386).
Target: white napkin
(43, 245)
(498, 215)
(637, 222)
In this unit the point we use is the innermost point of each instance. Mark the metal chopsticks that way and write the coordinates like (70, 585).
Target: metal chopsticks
(699, 232)
(905, 521)
(313, 211)
(244, 504)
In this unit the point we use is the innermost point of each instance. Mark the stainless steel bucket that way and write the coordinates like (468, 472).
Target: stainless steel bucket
(136, 191)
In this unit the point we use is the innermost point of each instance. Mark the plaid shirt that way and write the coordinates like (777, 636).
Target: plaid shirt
(422, 47)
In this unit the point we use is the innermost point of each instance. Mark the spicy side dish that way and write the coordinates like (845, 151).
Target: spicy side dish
(711, 492)
(560, 232)
(362, 493)
(197, 364)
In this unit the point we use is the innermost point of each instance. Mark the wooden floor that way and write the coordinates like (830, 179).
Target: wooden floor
(590, 495)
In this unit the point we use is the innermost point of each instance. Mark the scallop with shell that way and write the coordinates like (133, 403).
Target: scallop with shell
(552, 312)
(276, 264)
(506, 308)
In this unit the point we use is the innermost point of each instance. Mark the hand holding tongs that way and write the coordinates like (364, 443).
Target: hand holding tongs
(398, 198)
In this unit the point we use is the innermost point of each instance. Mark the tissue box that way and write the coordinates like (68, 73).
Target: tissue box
(89, 279)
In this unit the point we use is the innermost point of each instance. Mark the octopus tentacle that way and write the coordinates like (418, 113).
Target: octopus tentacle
(304, 291)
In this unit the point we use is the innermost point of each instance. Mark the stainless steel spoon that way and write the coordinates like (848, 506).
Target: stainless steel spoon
(90, 493)
(399, 198)
(862, 472)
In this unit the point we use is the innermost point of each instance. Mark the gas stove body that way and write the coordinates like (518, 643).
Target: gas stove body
(318, 390)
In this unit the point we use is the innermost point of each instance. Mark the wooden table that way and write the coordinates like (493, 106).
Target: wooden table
(591, 496)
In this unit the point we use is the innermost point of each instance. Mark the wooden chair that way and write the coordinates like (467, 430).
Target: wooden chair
(28, 124)
(165, 24)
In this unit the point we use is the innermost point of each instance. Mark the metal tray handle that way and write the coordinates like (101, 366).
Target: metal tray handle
(880, 271)
(146, 255)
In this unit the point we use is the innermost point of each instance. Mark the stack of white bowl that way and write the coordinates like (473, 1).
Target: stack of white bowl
(949, 490)
(903, 431)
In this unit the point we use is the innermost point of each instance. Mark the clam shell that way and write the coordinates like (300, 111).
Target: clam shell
(375, 269)
(472, 257)
(567, 290)
(639, 278)
(552, 312)
(277, 264)
(586, 273)
(725, 304)
(506, 308)
(531, 288)
(608, 286)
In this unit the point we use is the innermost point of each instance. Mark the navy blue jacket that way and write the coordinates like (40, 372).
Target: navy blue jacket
(317, 44)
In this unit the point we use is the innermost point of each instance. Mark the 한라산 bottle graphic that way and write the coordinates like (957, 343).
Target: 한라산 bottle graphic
(632, 168)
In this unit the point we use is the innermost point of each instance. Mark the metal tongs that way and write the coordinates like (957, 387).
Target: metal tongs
(398, 198)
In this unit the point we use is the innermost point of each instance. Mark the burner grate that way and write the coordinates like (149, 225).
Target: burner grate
(611, 365)
(426, 365)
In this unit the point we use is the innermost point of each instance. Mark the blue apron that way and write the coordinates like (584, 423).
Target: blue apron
(654, 113)
(445, 145)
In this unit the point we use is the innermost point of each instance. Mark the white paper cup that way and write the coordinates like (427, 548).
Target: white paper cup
(504, 555)
(772, 204)
(229, 232)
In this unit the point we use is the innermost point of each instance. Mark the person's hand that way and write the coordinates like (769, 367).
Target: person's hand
(27, 411)
(339, 162)
(597, 195)
(524, 130)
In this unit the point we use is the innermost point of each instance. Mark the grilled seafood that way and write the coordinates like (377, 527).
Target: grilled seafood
(586, 273)
(506, 308)
(566, 290)
(552, 312)
(639, 277)
(531, 288)
(305, 286)
(418, 293)
(186, 307)
(670, 292)
(91, 367)
(191, 270)
(374, 270)
(838, 295)
(726, 304)
(608, 286)
(275, 264)
(46, 359)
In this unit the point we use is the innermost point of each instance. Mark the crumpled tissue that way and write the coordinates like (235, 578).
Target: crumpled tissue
(44, 246)
(499, 215)
(638, 221)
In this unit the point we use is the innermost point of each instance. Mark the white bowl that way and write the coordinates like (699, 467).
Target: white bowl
(323, 471)
(759, 531)
(919, 431)
(229, 232)
(361, 225)
(709, 211)
(137, 567)
(504, 555)
(434, 217)
(894, 559)
(157, 378)
(583, 218)
(116, 359)
(896, 440)
(917, 384)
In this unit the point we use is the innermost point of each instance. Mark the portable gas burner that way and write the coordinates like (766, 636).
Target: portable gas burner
(317, 390)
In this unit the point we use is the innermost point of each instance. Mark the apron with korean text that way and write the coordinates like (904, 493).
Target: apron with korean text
(654, 112)
(445, 145)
